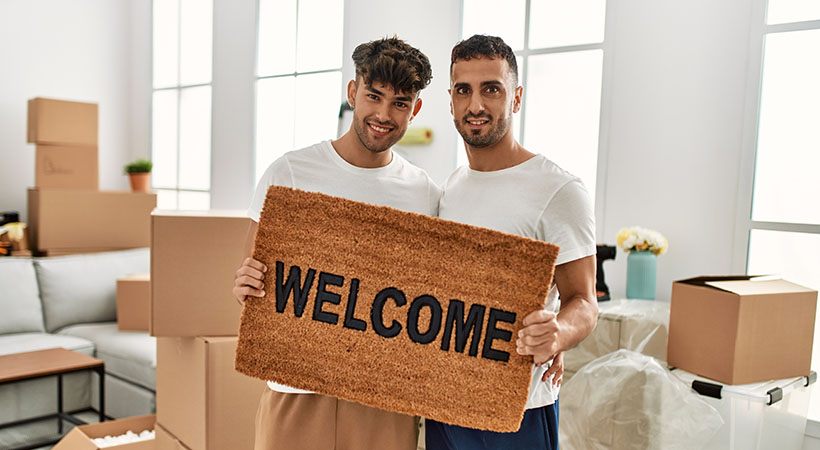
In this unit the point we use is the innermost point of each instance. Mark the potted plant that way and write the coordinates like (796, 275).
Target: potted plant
(139, 173)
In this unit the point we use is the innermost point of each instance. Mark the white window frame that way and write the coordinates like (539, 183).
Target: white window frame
(178, 88)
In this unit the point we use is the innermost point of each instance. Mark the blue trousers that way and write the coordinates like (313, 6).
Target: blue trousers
(539, 431)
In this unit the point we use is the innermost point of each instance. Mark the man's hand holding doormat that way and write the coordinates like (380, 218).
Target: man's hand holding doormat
(394, 310)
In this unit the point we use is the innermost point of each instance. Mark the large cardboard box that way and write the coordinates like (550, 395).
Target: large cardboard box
(68, 219)
(56, 122)
(133, 302)
(80, 438)
(167, 441)
(62, 166)
(194, 256)
(201, 399)
(741, 329)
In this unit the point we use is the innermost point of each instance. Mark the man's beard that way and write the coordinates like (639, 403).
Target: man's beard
(473, 138)
(362, 131)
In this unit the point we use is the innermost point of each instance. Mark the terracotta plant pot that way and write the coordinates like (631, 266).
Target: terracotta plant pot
(140, 182)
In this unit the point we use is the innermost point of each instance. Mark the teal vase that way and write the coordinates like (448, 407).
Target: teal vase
(641, 275)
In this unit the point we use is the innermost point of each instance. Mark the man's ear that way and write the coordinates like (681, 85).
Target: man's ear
(450, 94)
(416, 108)
(519, 94)
(351, 93)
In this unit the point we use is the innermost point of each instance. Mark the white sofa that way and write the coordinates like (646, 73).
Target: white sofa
(70, 302)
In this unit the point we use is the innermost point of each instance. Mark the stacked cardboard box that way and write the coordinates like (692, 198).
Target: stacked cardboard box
(133, 302)
(202, 402)
(66, 211)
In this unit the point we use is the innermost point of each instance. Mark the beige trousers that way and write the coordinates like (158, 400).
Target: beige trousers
(317, 422)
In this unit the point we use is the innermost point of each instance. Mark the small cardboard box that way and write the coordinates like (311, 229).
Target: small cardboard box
(133, 302)
(201, 399)
(62, 166)
(57, 122)
(194, 256)
(741, 329)
(167, 441)
(80, 437)
(69, 219)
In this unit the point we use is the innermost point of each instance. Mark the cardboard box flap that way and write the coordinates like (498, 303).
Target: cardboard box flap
(136, 277)
(758, 286)
(208, 213)
(703, 280)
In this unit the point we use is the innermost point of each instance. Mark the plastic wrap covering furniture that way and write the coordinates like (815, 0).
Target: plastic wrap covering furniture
(626, 400)
(638, 325)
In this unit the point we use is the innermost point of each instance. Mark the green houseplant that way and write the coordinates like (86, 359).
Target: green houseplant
(139, 173)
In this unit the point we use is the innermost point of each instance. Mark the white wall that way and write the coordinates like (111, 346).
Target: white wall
(675, 121)
(71, 50)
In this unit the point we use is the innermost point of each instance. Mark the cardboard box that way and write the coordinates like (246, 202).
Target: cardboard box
(57, 122)
(201, 399)
(133, 302)
(61, 166)
(68, 219)
(741, 329)
(167, 441)
(194, 256)
(80, 437)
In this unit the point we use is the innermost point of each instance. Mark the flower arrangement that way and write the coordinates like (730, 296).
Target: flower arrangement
(638, 239)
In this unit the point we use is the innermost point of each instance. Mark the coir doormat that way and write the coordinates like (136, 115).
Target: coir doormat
(392, 309)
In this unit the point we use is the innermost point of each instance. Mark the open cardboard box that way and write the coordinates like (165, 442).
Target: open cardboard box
(741, 329)
(80, 437)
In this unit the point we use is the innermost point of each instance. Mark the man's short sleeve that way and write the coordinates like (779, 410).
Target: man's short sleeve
(278, 174)
(569, 221)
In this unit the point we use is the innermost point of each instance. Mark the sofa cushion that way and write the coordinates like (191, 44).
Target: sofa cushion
(19, 297)
(29, 342)
(130, 355)
(83, 288)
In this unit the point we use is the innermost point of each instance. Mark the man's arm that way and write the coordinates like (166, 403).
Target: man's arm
(546, 334)
(250, 277)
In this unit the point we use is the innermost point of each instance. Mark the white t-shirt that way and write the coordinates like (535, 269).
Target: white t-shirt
(536, 199)
(319, 168)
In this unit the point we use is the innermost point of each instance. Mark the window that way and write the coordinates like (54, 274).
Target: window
(560, 61)
(782, 225)
(299, 75)
(181, 104)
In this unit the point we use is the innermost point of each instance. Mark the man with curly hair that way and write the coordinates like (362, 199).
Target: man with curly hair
(359, 166)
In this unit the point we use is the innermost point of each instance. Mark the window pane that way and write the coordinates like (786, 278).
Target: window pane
(319, 22)
(317, 111)
(164, 139)
(166, 199)
(197, 201)
(794, 257)
(505, 20)
(563, 104)
(195, 138)
(196, 46)
(277, 37)
(556, 23)
(274, 120)
(166, 40)
(786, 11)
(786, 171)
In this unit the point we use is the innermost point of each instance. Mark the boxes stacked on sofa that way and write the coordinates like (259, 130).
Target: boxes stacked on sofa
(202, 402)
(69, 302)
(67, 214)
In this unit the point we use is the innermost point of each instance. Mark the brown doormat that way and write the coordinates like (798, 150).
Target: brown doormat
(395, 310)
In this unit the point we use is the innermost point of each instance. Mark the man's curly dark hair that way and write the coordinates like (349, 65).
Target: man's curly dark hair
(393, 62)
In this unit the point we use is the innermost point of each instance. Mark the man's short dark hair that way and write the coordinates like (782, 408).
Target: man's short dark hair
(483, 46)
(393, 62)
